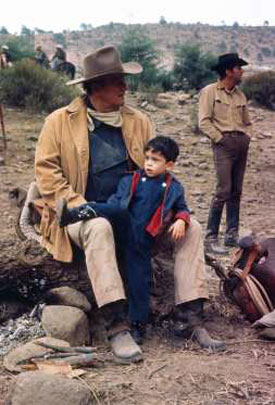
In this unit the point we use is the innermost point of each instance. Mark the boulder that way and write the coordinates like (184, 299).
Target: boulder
(67, 323)
(68, 296)
(37, 388)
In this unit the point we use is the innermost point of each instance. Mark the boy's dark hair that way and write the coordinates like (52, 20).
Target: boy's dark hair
(165, 146)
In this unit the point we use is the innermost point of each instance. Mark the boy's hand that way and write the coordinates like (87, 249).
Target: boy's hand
(177, 230)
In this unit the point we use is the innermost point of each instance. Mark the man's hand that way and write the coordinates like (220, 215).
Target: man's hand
(177, 230)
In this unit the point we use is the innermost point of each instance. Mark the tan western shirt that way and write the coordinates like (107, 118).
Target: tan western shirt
(221, 110)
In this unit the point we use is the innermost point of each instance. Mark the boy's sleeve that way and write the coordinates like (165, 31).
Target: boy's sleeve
(122, 193)
(180, 207)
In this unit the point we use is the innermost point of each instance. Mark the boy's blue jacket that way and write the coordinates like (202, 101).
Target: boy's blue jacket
(172, 200)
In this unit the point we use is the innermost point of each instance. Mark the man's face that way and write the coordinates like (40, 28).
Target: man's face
(235, 74)
(112, 91)
(156, 164)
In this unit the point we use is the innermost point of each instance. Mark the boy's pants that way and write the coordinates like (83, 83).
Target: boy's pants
(96, 238)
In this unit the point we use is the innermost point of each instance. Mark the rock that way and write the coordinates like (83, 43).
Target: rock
(68, 296)
(150, 108)
(203, 166)
(144, 104)
(28, 350)
(2, 161)
(37, 388)
(183, 98)
(65, 322)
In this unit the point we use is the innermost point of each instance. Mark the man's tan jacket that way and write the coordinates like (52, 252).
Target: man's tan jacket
(61, 165)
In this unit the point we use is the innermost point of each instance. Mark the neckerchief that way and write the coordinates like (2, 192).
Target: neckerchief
(113, 118)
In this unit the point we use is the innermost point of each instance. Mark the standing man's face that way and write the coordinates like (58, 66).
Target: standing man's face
(235, 74)
(112, 91)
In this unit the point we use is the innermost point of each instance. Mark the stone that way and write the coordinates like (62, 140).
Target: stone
(68, 296)
(38, 388)
(2, 161)
(183, 98)
(67, 323)
(28, 350)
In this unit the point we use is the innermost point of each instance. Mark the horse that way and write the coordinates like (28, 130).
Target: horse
(66, 68)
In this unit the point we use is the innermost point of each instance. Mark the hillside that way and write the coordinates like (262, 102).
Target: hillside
(257, 44)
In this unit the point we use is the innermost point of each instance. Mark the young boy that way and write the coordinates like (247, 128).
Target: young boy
(137, 211)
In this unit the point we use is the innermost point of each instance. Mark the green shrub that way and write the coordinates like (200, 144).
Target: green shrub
(261, 88)
(192, 67)
(20, 47)
(30, 86)
(137, 46)
(266, 52)
(150, 93)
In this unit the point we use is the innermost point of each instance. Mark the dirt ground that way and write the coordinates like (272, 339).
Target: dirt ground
(175, 371)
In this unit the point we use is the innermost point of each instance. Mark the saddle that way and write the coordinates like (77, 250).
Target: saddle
(251, 281)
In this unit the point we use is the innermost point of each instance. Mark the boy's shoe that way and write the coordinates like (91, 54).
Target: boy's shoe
(66, 216)
(138, 331)
(125, 348)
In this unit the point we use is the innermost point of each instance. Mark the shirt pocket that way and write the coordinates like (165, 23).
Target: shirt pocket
(221, 110)
(238, 112)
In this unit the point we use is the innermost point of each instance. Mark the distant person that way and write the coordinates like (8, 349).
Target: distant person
(41, 57)
(59, 57)
(5, 57)
(224, 118)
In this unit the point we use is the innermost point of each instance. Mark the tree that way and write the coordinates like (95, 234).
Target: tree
(26, 31)
(83, 27)
(266, 23)
(192, 67)
(162, 21)
(4, 31)
(137, 46)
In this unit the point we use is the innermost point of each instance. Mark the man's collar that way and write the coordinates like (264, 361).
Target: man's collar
(221, 86)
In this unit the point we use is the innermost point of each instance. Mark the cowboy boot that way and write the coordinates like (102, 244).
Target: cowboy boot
(191, 314)
(138, 331)
(118, 333)
(231, 237)
(66, 216)
(211, 242)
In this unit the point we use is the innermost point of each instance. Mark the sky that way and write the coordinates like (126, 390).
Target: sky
(59, 15)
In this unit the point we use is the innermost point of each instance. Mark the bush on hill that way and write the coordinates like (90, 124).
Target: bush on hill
(261, 88)
(30, 86)
(192, 67)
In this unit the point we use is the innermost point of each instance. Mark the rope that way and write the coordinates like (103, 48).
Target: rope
(25, 223)
(256, 292)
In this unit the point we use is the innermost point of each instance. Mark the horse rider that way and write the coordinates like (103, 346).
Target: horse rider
(59, 57)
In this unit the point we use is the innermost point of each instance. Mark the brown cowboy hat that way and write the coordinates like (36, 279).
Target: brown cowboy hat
(228, 61)
(105, 61)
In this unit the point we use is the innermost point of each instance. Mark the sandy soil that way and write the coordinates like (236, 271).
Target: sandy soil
(175, 371)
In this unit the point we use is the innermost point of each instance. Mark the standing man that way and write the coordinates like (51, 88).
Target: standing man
(224, 118)
(83, 151)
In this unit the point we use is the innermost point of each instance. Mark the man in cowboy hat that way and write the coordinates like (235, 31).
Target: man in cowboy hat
(41, 58)
(83, 151)
(5, 57)
(224, 118)
(59, 56)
